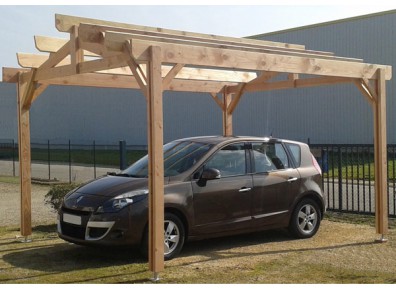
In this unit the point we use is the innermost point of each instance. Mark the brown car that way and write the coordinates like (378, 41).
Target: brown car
(214, 186)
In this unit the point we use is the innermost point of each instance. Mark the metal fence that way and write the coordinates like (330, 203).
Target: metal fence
(348, 170)
(348, 177)
(69, 162)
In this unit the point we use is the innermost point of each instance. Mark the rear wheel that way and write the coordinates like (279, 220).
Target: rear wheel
(305, 220)
(174, 236)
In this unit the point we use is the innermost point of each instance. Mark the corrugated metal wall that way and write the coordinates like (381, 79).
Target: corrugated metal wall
(338, 114)
(332, 114)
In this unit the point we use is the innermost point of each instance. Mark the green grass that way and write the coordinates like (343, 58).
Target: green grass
(360, 172)
(49, 260)
(101, 157)
(9, 179)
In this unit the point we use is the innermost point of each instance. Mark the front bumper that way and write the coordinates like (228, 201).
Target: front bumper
(111, 229)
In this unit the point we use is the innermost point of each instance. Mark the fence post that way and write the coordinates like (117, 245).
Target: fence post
(70, 180)
(49, 160)
(13, 157)
(339, 178)
(94, 158)
(123, 161)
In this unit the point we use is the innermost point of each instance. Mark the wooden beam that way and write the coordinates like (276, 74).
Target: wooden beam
(243, 60)
(52, 44)
(30, 60)
(28, 89)
(24, 154)
(366, 91)
(114, 40)
(128, 82)
(227, 117)
(172, 73)
(116, 64)
(235, 100)
(138, 72)
(65, 22)
(290, 84)
(156, 163)
(76, 52)
(265, 76)
(56, 58)
(11, 75)
(380, 153)
(217, 100)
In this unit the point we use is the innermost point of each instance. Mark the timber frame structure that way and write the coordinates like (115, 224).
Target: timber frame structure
(108, 54)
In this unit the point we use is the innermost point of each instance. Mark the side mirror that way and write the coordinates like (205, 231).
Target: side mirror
(210, 174)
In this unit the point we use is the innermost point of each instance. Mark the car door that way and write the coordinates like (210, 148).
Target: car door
(275, 183)
(224, 204)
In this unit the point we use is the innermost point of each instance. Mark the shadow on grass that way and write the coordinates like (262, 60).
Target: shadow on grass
(66, 257)
(63, 257)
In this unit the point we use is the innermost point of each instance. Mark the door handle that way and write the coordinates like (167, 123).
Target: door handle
(245, 189)
(292, 179)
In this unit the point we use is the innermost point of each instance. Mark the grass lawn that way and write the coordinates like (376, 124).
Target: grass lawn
(342, 252)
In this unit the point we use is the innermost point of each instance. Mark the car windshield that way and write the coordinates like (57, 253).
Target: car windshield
(179, 156)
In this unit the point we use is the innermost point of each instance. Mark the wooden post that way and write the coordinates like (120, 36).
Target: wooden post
(156, 163)
(380, 153)
(24, 155)
(227, 116)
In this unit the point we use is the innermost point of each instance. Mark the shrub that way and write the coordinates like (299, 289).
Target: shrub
(55, 195)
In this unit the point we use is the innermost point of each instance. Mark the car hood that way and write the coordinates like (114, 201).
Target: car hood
(93, 194)
(111, 186)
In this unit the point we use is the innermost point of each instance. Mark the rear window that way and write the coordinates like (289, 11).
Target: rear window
(296, 153)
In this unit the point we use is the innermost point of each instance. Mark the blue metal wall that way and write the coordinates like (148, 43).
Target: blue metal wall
(337, 114)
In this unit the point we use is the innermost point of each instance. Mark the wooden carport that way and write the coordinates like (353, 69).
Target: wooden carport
(107, 54)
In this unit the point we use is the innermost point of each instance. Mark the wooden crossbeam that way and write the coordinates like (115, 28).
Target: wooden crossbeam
(65, 22)
(114, 41)
(52, 44)
(116, 63)
(245, 60)
(126, 82)
(290, 84)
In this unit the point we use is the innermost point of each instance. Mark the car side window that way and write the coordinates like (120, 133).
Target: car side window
(230, 160)
(269, 157)
(296, 153)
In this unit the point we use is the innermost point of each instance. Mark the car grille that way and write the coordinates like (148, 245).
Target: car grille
(73, 231)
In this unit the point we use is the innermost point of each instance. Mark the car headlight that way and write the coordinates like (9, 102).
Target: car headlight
(119, 202)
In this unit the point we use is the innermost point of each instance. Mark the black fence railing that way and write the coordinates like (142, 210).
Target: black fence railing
(348, 170)
(70, 162)
(348, 177)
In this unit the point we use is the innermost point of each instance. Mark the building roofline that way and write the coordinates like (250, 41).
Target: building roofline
(382, 13)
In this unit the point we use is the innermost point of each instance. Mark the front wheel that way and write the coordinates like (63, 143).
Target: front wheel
(305, 220)
(174, 236)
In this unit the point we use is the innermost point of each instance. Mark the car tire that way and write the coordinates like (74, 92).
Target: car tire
(305, 220)
(174, 236)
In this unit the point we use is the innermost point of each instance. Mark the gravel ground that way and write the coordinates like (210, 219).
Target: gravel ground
(10, 205)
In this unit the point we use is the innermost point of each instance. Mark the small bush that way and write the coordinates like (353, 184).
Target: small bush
(55, 195)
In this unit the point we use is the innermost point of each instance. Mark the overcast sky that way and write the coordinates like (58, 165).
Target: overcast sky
(21, 22)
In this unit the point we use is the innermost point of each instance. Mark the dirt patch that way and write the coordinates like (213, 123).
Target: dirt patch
(10, 199)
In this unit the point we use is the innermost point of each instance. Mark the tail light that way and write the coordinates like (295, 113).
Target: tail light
(316, 165)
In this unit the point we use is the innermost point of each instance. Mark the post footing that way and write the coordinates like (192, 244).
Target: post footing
(381, 239)
(155, 278)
